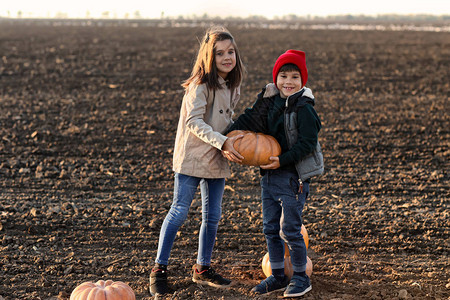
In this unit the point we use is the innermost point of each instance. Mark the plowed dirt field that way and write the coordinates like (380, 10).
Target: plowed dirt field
(88, 118)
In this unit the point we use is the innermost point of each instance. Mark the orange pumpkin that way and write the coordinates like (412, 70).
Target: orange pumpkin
(288, 269)
(103, 290)
(255, 147)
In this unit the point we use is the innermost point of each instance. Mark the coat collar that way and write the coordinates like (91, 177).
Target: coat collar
(271, 90)
(221, 80)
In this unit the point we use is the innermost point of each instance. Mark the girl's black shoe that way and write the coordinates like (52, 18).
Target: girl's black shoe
(158, 282)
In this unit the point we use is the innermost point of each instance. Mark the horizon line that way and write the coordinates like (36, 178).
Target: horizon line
(65, 16)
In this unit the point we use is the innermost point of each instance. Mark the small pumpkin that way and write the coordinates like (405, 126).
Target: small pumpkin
(103, 290)
(255, 147)
(288, 268)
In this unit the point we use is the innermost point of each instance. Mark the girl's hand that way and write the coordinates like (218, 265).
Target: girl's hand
(229, 152)
(275, 164)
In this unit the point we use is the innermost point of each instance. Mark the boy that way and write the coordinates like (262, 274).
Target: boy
(285, 111)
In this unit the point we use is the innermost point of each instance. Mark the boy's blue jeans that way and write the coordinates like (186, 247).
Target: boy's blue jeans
(184, 190)
(282, 203)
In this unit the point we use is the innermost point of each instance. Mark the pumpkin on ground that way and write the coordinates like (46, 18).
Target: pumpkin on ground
(103, 290)
(255, 147)
(288, 269)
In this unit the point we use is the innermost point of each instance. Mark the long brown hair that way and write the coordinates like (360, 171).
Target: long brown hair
(205, 70)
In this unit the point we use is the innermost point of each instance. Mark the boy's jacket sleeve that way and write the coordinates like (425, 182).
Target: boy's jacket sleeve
(253, 118)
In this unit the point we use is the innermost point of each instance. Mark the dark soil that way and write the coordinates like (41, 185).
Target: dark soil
(88, 118)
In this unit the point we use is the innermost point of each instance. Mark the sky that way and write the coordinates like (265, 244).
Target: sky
(222, 8)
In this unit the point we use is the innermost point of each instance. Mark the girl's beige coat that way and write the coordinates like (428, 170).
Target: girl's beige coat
(204, 116)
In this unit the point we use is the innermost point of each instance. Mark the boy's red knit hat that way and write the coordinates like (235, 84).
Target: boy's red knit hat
(295, 57)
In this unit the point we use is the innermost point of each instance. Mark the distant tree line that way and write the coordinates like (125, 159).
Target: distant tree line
(347, 17)
(290, 17)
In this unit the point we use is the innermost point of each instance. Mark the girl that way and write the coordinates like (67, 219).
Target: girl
(211, 93)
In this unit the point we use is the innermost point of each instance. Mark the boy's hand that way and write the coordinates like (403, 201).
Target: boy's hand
(229, 152)
(275, 164)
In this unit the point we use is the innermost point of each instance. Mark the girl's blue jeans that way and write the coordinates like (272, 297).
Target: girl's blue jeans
(184, 190)
(282, 203)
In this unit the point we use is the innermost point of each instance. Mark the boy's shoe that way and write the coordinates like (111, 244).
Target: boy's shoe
(210, 277)
(271, 284)
(298, 286)
(158, 282)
